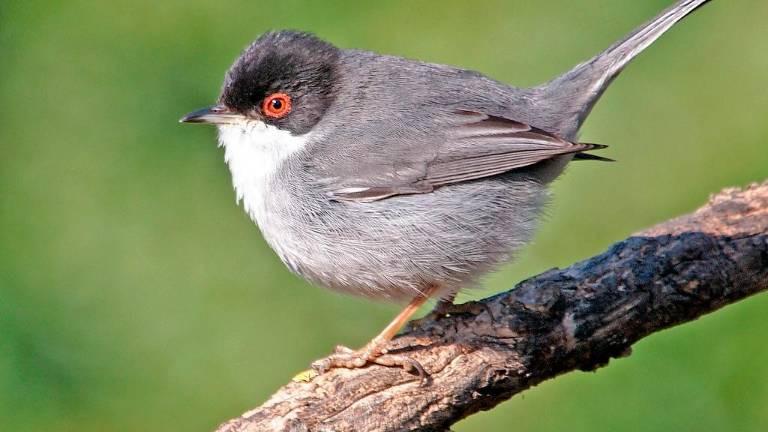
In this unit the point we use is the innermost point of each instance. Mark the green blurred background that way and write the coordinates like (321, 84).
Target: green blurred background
(135, 295)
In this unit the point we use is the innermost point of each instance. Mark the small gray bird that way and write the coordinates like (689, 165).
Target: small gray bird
(396, 179)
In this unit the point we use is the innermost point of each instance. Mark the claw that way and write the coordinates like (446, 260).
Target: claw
(376, 350)
(408, 364)
(346, 358)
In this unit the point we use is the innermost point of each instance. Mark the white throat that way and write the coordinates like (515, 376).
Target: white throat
(254, 151)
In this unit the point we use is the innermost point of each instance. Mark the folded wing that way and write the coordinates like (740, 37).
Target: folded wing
(472, 146)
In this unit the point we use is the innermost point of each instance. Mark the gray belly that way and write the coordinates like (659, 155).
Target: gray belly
(394, 248)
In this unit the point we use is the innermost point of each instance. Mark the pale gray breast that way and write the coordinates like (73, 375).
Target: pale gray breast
(395, 247)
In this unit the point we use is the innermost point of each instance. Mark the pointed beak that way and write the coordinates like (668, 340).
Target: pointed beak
(216, 114)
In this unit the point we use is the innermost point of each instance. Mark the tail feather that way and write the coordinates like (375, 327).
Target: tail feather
(590, 156)
(566, 101)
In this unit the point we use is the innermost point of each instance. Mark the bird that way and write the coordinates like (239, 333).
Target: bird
(397, 179)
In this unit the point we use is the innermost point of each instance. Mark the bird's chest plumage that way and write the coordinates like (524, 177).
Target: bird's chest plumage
(390, 248)
(254, 153)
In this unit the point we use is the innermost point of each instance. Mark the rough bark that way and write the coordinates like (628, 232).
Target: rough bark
(562, 320)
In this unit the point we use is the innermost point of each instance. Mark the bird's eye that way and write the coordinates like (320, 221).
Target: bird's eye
(276, 105)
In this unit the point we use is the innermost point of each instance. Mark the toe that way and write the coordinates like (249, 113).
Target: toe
(321, 366)
(341, 349)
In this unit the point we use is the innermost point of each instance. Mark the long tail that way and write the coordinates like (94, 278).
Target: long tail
(567, 100)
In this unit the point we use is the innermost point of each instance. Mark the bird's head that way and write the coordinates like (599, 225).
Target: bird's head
(284, 80)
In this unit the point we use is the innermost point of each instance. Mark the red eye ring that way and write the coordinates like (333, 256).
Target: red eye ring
(276, 105)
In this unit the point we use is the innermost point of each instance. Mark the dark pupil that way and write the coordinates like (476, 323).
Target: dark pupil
(277, 104)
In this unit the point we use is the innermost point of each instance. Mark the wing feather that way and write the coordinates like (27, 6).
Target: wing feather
(474, 145)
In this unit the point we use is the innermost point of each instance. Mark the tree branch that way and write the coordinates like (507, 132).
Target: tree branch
(575, 318)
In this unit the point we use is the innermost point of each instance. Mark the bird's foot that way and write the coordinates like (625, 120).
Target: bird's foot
(375, 353)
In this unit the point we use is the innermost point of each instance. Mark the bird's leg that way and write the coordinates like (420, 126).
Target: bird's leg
(375, 351)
